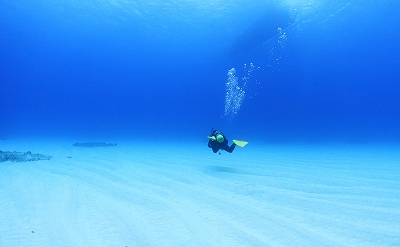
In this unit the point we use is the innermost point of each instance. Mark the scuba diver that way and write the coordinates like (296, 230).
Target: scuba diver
(218, 141)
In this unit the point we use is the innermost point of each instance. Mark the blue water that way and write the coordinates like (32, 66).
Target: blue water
(123, 69)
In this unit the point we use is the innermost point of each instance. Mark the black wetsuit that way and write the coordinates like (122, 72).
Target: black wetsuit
(216, 146)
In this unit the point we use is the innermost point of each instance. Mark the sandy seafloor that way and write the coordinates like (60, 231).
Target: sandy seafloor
(181, 194)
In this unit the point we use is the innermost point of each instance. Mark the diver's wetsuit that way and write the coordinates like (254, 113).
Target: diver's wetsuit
(216, 146)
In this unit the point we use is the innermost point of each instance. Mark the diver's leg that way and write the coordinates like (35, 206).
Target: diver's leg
(231, 148)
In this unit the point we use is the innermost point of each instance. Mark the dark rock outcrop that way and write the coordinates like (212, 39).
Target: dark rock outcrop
(22, 157)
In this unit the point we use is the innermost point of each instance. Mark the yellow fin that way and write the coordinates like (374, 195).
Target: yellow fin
(240, 143)
(212, 138)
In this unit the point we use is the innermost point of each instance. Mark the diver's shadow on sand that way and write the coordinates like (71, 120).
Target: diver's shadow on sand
(223, 169)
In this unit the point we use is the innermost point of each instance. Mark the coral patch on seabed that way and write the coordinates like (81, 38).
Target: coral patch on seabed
(93, 144)
(22, 157)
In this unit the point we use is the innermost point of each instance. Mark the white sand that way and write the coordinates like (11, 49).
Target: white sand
(184, 195)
